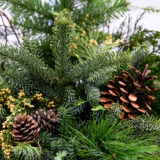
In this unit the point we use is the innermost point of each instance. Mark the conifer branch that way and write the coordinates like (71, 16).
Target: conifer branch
(61, 42)
(139, 54)
(29, 61)
(100, 61)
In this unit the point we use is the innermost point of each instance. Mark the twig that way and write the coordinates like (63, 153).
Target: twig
(12, 27)
(5, 28)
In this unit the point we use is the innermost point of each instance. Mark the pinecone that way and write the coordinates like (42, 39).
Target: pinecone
(46, 119)
(132, 94)
(25, 128)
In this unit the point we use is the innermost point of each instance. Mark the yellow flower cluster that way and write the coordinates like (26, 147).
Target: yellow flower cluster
(21, 94)
(5, 97)
(51, 104)
(92, 42)
(11, 107)
(76, 38)
(37, 97)
(6, 90)
(87, 16)
(118, 41)
(74, 25)
(74, 45)
(26, 104)
(109, 41)
(83, 33)
(8, 122)
(7, 148)
(85, 19)
(83, 23)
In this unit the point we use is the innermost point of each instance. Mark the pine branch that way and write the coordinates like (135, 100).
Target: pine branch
(102, 140)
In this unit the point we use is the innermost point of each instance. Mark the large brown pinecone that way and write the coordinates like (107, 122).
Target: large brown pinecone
(46, 119)
(132, 94)
(25, 128)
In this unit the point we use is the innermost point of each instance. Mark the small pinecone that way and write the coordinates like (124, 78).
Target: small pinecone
(46, 119)
(25, 128)
(132, 94)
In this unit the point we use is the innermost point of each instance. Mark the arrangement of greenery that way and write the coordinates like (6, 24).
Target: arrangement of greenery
(70, 91)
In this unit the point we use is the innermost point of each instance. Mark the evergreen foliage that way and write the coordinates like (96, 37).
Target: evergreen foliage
(36, 17)
(105, 141)
(26, 152)
(35, 75)
(67, 60)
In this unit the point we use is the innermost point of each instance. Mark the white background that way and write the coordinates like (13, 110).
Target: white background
(150, 20)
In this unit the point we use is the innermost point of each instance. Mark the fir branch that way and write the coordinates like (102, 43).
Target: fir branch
(32, 6)
(36, 13)
(139, 54)
(61, 42)
(26, 152)
(100, 61)
(93, 94)
(101, 76)
(30, 61)
(116, 8)
(146, 124)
